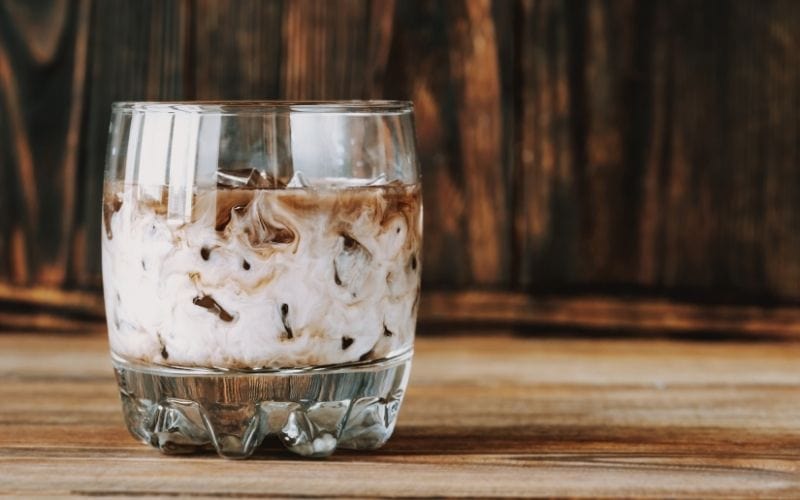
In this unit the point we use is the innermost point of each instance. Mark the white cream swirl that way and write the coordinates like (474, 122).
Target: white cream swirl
(262, 277)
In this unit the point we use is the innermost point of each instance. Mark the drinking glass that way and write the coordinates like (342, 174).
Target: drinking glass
(261, 271)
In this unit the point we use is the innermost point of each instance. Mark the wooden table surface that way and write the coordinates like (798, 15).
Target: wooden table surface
(484, 416)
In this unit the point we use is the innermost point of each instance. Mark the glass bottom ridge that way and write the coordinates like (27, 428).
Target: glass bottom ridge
(312, 411)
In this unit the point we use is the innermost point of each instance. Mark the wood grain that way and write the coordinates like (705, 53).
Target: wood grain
(546, 215)
(420, 71)
(46, 309)
(43, 60)
(445, 57)
(137, 52)
(657, 168)
(568, 147)
(334, 50)
(500, 417)
(474, 69)
(236, 49)
(721, 186)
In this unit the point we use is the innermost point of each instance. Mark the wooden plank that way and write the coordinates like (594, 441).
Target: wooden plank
(334, 50)
(546, 217)
(566, 146)
(420, 72)
(701, 177)
(612, 82)
(476, 75)
(499, 416)
(90, 303)
(584, 81)
(445, 58)
(598, 314)
(236, 49)
(660, 135)
(43, 62)
(734, 130)
(778, 127)
(46, 309)
(665, 158)
(137, 52)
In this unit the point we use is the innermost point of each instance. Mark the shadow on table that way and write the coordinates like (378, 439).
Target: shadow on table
(525, 442)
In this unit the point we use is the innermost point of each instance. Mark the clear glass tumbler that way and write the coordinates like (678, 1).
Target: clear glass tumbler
(261, 271)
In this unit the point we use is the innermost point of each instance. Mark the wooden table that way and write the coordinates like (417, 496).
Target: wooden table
(484, 416)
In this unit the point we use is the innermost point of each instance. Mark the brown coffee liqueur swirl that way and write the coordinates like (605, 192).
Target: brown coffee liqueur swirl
(363, 241)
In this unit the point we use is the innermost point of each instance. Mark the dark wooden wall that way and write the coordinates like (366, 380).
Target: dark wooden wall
(568, 146)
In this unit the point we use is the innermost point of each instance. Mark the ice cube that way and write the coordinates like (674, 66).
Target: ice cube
(248, 177)
(298, 180)
(381, 180)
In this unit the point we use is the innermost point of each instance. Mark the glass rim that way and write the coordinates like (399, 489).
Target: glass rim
(235, 107)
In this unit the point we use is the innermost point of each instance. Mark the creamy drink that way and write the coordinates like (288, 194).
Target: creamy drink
(263, 277)
(260, 304)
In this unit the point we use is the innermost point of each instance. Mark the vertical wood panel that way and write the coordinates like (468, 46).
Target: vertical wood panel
(780, 58)
(445, 58)
(681, 118)
(658, 152)
(336, 50)
(699, 171)
(325, 49)
(379, 43)
(236, 49)
(728, 226)
(546, 215)
(476, 75)
(566, 145)
(609, 183)
(137, 51)
(584, 82)
(420, 71)
(42, 70)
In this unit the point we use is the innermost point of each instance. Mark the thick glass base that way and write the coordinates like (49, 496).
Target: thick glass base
(312, 411)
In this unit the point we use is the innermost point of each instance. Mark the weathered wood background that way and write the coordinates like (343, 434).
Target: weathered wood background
(612, 148)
